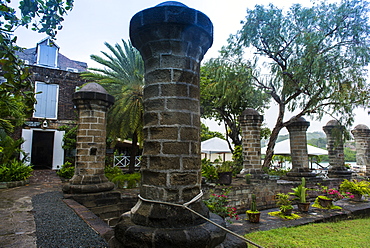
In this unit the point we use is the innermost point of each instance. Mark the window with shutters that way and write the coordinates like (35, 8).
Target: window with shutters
(47, 100)
(47, 53)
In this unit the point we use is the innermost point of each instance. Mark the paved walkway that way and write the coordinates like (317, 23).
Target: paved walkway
(17, 225)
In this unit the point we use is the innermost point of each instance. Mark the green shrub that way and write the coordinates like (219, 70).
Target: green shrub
(209, 171)
(14, 170)
(128, 181)
(67, 171)
(112, 171)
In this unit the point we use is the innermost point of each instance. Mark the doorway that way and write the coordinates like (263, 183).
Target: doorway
(42, 150)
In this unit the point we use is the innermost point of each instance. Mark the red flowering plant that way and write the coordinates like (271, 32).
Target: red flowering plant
(218, 204)
(334, 194)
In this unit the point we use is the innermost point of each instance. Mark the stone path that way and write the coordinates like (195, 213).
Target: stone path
(17, 225)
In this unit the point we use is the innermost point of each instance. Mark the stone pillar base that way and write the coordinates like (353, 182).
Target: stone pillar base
(339, 172)
(255, 173)
(296, 174)
(87, 188)
(129, 235)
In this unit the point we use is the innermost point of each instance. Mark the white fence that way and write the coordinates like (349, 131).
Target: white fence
(123, 161)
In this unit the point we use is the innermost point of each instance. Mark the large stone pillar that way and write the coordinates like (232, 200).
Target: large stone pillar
(92, 103)
(335, 146)
(250, 122)
(172, 40)
(298, 149)
(361, 133)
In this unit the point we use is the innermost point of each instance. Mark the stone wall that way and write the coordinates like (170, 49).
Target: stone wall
(241, 193)
(67, 81)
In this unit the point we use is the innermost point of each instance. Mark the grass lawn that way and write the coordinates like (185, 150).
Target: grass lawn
(348, 234)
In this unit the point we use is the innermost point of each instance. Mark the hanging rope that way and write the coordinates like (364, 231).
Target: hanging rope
(185, 206)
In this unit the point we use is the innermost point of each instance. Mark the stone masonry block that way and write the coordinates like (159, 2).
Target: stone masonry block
(151, 119)
(164, 163)
(183, 104)
(174, 89)
(175, 148)
(160, 75)
(191, 163)
(152, 91)
(154, 105)
(178, 178)
(154, 178)
(152, 148)
(188, 133)
(172, 61)
(164, 133)
(175, 118)
(179, 75)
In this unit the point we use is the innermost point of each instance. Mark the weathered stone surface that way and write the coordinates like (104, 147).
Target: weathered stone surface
(250, 122)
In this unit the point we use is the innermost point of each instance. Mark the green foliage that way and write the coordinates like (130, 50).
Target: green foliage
(218, 204)
(316, 58)
(122, 77)
(238, 156)
(300, 192)
(349, 155)
(206, 134)
(280, 214)
(128, 181)
(14, 170)
(17, 94)
(10, 148)
(283, 202)
(69, 138)
(253, 204)
(226, 91)
(112, 171)
(209, 172)
(225, 166)
(67, 171)
(355, 187)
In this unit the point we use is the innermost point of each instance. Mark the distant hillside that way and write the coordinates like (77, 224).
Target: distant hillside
(317, 139)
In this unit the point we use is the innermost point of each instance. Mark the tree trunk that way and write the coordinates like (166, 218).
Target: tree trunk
(271, 145)
(274, 135)
(131, 168)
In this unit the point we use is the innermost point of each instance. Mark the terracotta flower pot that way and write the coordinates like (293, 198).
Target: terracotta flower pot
(303, 207)
(357, 197)
(325, 203)
(225, 178)
(254, 217)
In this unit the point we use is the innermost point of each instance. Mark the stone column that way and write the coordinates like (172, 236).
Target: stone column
(172, 40)
(298, 149)
(361, 133)
(92, 103)
(250, 122)
(335, 146)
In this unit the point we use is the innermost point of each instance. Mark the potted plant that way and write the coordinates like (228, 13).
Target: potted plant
(329, 196)
(218, 204)
(225, 172)
(357, 188)
(253, 214)
(284, 203)
(300, 192)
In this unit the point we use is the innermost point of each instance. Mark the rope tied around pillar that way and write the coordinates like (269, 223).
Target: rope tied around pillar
(185, 206)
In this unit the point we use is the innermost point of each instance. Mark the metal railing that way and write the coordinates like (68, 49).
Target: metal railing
(123, 161)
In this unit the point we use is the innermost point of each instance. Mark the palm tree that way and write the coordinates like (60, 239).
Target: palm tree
(123, 77)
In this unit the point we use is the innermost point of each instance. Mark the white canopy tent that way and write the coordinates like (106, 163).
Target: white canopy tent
(214, 146)
(283, 148)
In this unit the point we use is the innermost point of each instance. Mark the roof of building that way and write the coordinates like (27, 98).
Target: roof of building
(64, 63)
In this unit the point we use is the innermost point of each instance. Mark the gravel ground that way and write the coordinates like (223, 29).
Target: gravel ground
(57, 225)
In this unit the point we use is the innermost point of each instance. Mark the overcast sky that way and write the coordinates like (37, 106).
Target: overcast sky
(93, 22)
